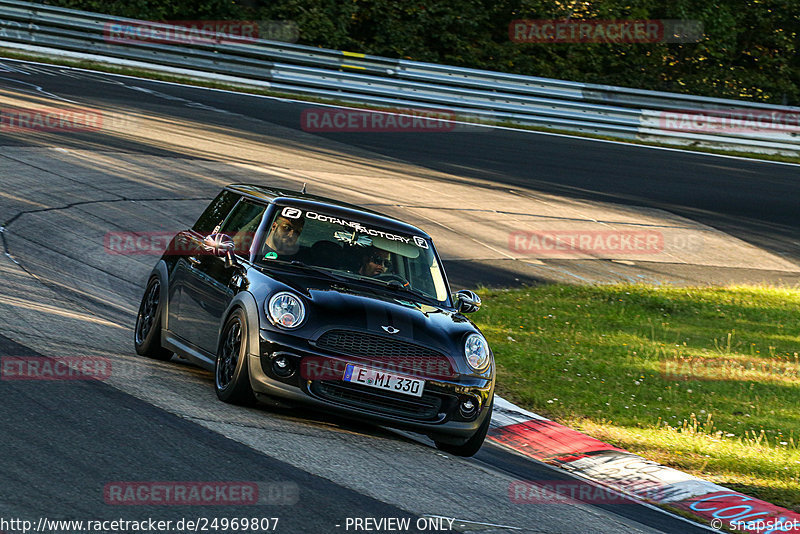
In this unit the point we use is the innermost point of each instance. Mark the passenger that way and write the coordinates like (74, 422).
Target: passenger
(374, 262)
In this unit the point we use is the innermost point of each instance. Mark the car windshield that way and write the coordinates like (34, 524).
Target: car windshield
(356, 250)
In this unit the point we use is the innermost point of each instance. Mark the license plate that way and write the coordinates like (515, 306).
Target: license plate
(383, 380)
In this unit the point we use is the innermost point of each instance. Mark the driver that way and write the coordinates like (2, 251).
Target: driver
(283, 236)
(374, 262)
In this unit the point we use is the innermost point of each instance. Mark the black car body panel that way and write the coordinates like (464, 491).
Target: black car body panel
(349, 319)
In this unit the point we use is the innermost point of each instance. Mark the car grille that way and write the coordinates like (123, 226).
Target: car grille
(425, 408)
(391, 354)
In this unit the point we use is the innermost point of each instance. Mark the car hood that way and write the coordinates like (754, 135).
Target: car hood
(333, 305)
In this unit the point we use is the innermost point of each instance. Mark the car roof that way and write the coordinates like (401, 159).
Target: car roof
(309, 201)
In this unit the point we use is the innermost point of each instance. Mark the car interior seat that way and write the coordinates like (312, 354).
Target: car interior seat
(325, 254)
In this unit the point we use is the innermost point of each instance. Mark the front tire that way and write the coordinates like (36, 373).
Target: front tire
(231, 376)
(147, 333)
(473, 444)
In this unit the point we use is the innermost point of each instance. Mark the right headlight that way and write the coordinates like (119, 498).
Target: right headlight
(285, 310)
(476, 349)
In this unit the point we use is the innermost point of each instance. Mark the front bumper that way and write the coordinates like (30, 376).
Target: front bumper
(317, 381)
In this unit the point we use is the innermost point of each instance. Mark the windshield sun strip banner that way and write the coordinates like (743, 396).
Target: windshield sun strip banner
(295, 213)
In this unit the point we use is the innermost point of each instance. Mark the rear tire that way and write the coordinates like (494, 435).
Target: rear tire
(473, 444)
(147, 333)
(231, 376)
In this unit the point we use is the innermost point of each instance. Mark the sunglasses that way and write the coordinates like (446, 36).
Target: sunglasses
(380, 260)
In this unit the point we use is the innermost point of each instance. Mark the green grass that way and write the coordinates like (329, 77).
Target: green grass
(200, 82)
(701, 379)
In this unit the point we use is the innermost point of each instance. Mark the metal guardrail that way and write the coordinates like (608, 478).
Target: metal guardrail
(474, 95)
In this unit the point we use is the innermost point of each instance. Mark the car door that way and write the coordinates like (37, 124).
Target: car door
(190, 251)
(211, 282)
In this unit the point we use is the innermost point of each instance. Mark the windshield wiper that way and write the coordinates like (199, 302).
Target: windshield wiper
(316, 269)
(313, 268)
(397, 286)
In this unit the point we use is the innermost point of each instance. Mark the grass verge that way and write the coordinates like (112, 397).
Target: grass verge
(199, 82)
(706, 380)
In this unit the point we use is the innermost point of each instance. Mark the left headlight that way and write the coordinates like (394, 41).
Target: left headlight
(285, 310)
(476, 349)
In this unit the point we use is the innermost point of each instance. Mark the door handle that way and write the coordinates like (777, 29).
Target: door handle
(193, 260)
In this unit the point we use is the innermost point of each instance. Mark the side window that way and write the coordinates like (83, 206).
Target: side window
(242, 224)
(215, 213)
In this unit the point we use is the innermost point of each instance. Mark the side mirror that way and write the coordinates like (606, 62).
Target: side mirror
(220, 245)
(467, 301)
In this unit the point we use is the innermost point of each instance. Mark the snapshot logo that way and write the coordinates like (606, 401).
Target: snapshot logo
(50, 120)
(767, 526)
(200, 31)
(61, 368)
(395, 120)
(605, 31)
(748, 514)
(571, 492)
(320, 368)
(730, 121)
(566, 242)
(200, 493)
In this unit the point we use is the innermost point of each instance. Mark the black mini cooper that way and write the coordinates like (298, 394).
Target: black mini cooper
(305, 298)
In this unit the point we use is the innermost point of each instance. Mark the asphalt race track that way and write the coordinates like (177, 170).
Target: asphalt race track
(163, 151)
